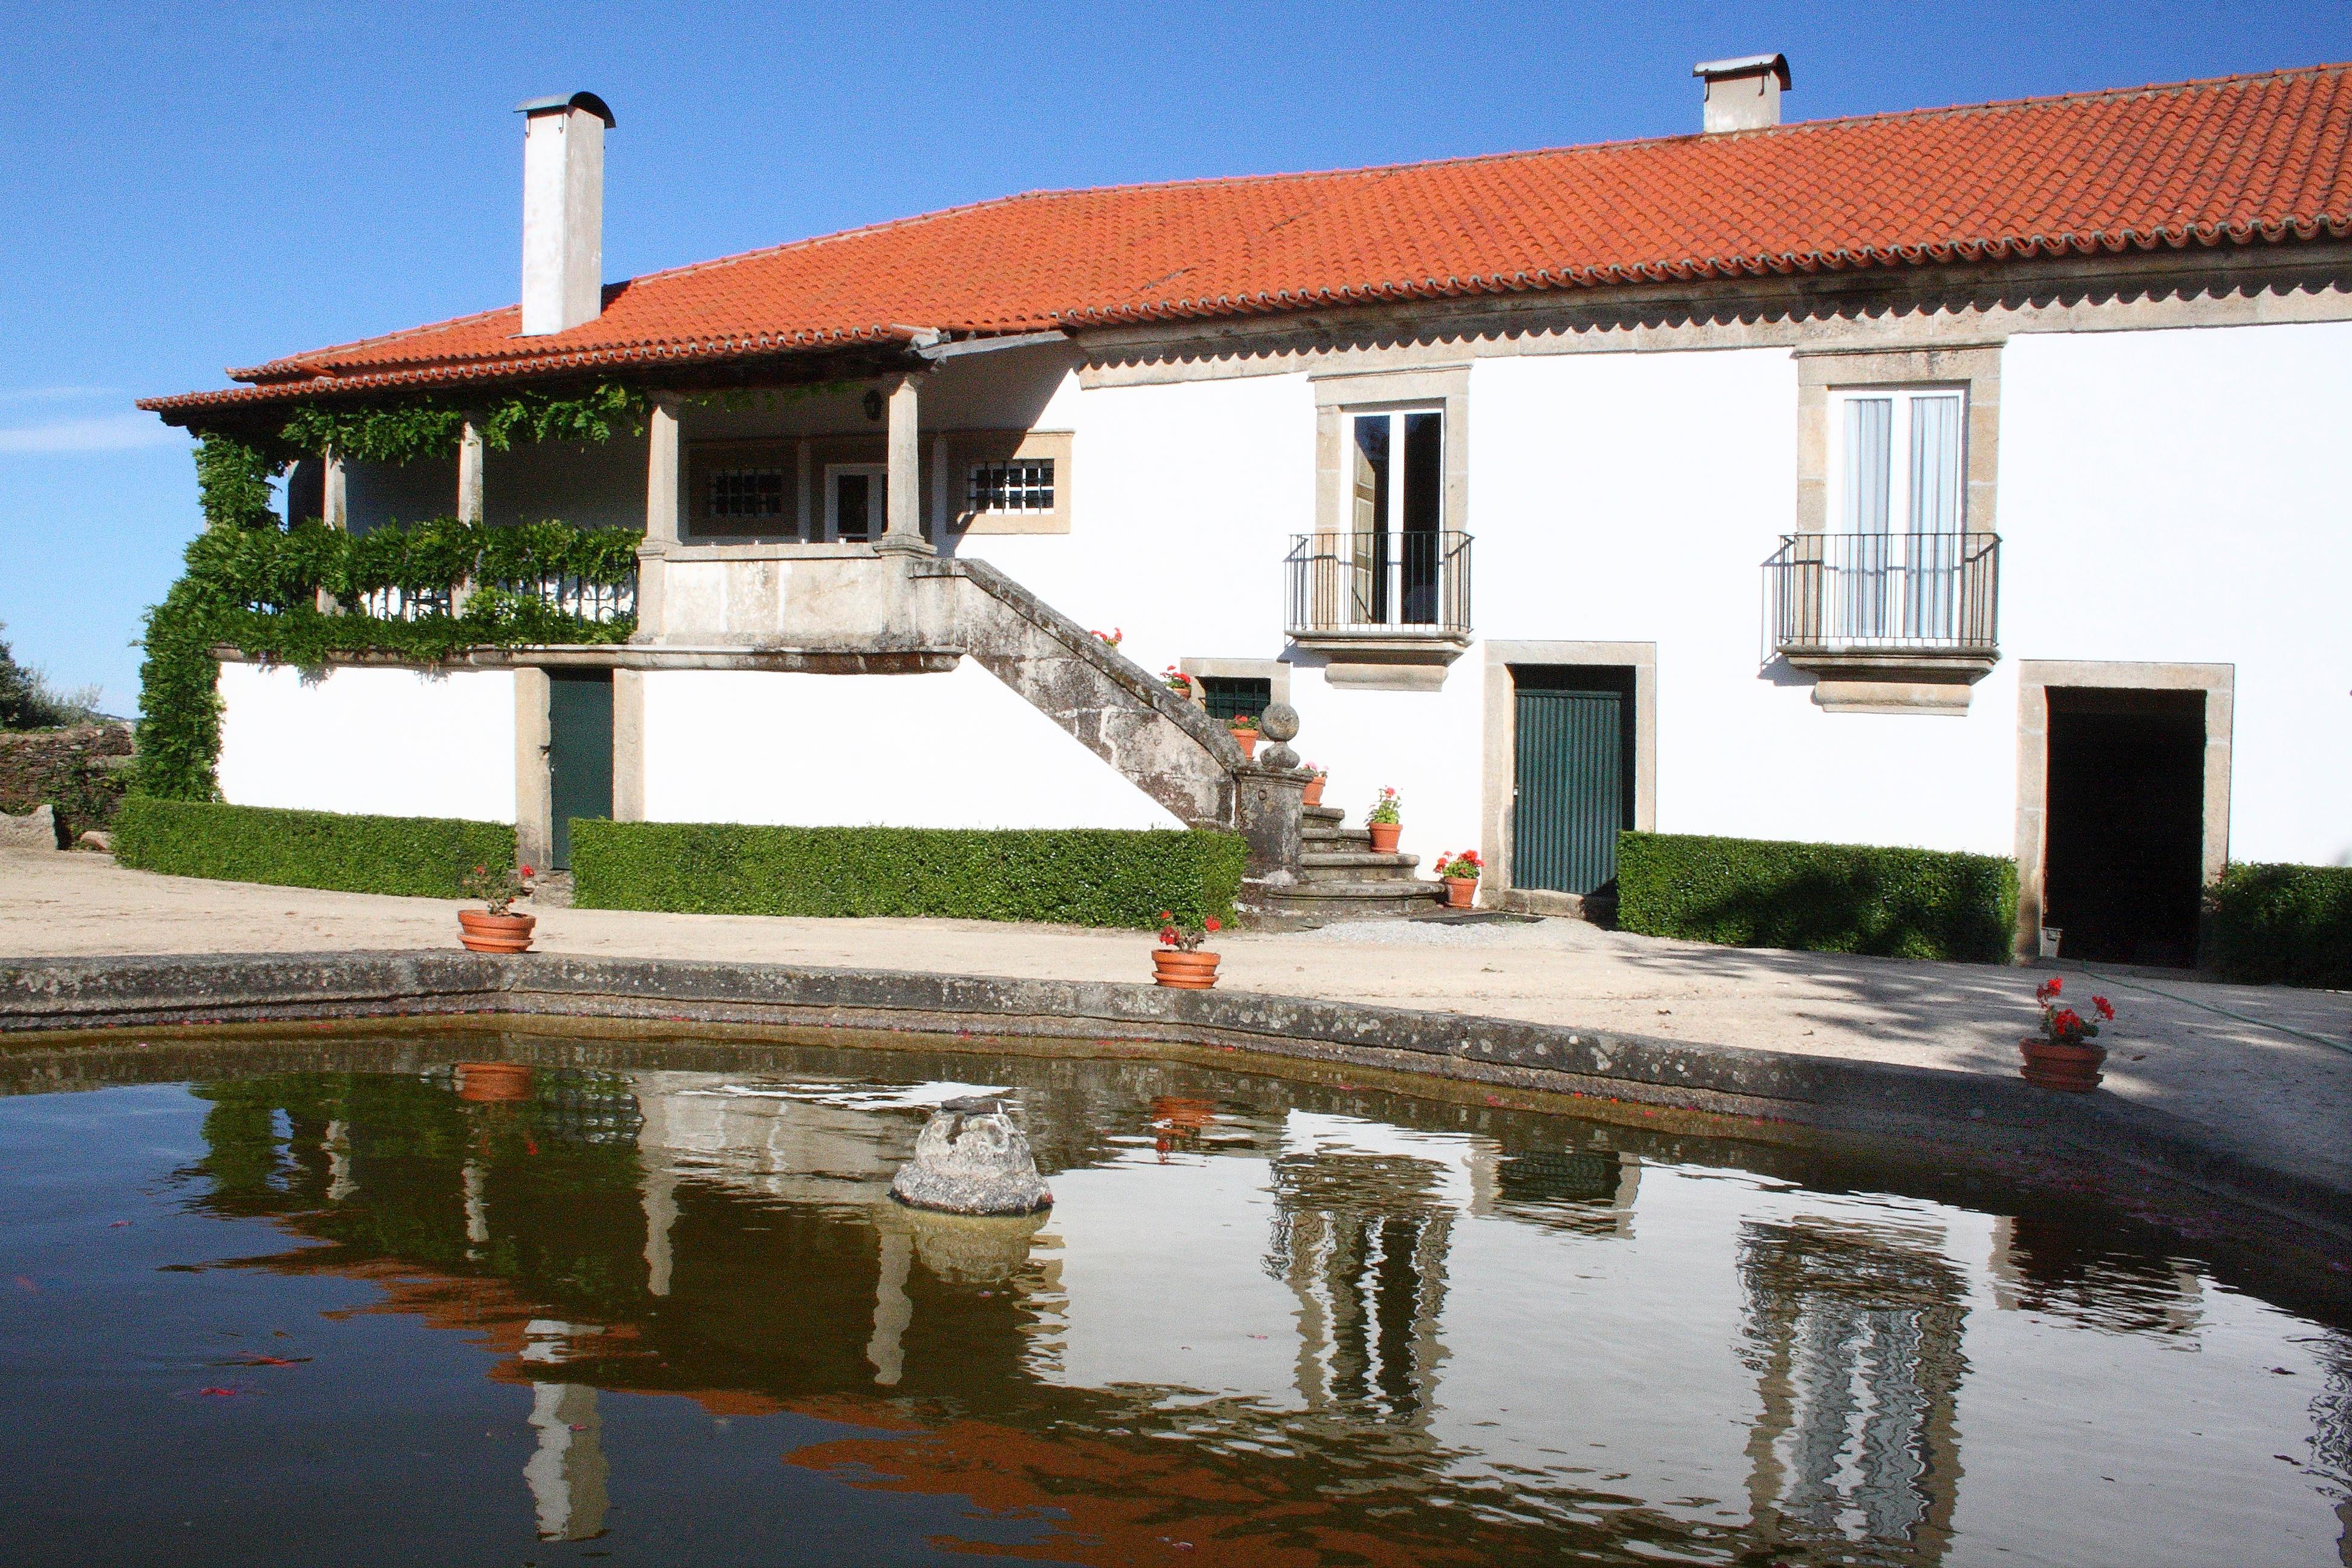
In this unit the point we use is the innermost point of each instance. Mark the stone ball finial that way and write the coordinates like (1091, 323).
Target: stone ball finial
(1279, 722)
(1280, 757)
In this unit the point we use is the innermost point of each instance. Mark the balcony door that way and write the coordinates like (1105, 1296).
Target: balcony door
(1892, 564)
(1396, 524)
(853, 497)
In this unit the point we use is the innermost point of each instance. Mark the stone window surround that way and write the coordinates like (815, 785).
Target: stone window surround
(1498, 765)
(1880, 682)
(1273, 671)
(1397, 659)
(2035, 677)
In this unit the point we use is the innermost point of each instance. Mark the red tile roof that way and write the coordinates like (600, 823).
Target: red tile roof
(2237, 161)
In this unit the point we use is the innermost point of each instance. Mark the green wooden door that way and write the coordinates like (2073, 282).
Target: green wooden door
(579, 752)
(1574, 779)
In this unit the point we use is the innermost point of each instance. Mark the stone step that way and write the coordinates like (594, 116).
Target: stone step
(1322, 814)
(1329, 837)
(1334, 864)
(1387, 897)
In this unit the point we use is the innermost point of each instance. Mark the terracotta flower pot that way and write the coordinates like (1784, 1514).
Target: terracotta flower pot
(1460, 891)
(1385, 835)
(2074, 1068)
(483, 932)
(1184, 971)
(1246, 740)
(493, 1081)
(1313, 794)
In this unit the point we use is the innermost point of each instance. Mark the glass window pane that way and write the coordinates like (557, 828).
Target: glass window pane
(1371, 513)
(1424, 472)
(1936, 464)
(1869, 453)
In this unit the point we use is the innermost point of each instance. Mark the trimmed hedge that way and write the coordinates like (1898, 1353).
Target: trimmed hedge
(420, 856)
(1821, 898)
(1098, 877)
(2289, 923)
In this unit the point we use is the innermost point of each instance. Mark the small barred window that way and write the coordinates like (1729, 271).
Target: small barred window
(1025, 484)
(747, 492)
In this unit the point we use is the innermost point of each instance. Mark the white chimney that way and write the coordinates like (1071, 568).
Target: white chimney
(1743, 94)
(563, 211)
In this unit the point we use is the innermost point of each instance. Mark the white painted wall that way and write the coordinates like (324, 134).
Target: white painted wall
(392, 741)
(2164, 496)
(2180, 496)
(953, 750)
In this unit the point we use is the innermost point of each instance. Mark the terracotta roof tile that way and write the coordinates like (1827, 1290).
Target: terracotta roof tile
(2237, 161)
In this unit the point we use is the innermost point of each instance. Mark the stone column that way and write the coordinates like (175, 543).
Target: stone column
(628, 745)
(534, 787)
(333, 511)
(469, 506)
(470, 474)
(903, 513)
(663, 474)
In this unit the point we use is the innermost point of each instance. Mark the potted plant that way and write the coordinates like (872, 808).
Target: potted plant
(1180, 963)
(1111, 638)
(1386, 822)
(2063, 1056)
(1313, 794)
(496, 929)
(1177, 682)
(492, 1083)
(1244, 728)
(1460, 874)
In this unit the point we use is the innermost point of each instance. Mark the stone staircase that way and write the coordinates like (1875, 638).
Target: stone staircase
(1340, 878)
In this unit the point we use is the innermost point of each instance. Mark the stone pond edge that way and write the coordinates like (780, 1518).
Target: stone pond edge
(50, 994)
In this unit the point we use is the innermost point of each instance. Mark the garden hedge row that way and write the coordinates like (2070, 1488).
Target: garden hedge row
(423, 856)
(1822, 897)
(2291, 923)
(1097, 877)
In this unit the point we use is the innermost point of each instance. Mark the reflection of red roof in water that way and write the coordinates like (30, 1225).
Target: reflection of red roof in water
(1126, 1500)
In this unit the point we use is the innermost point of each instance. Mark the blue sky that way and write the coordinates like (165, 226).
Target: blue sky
(186, 187)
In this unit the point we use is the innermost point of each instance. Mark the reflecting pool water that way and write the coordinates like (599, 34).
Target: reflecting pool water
(341, 1298)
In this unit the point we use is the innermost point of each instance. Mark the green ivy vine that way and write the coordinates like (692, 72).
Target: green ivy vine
(252, 582)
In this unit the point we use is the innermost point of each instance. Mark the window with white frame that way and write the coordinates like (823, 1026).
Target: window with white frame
(1896, 513)
(1015, 485)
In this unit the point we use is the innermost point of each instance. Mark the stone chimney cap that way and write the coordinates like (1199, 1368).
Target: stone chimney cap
(1744, 65)
(595, 105)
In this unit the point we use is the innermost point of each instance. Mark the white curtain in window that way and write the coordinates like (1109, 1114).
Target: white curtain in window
(1932, 603)
(1869, 459)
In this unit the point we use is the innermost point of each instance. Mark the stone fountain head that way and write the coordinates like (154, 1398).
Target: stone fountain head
(971, 1160)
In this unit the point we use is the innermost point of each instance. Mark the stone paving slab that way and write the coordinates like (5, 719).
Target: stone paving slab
(2262, 1073)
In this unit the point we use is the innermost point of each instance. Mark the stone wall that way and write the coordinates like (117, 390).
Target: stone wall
(78, 771)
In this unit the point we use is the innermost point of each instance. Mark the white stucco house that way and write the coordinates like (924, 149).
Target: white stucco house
(1970, 478)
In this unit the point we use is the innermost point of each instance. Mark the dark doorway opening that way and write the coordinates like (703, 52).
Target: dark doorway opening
(1572, 790)
(2125, 853)
(579, 753)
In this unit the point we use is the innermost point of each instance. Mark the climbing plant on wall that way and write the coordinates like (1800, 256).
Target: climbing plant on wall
(251, 582)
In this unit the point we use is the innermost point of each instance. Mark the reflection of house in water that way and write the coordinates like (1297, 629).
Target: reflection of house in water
(1360, 1238)
(1587, 1191)
(1855, 1334)
(2052, 1265)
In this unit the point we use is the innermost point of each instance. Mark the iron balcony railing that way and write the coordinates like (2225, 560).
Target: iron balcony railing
(1380, 583)
(581, 597)
(1830, 593)
(592, 600)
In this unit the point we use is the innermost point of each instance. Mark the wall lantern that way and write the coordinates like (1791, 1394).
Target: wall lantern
(873, 406)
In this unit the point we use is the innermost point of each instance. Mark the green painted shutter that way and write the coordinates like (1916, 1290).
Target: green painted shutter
(1570, 803)
(579, 752)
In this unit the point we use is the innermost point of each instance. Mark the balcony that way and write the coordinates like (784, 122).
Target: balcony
(1390, 609)
(1886, 622)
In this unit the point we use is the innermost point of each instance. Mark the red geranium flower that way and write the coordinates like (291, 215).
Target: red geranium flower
(2106, 1008)
(1211, 923)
